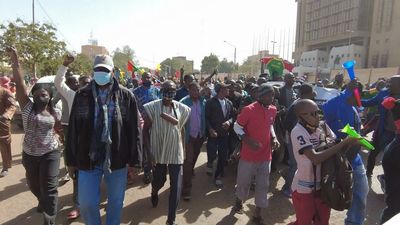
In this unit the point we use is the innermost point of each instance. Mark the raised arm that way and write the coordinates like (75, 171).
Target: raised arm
(59, 81)
(208, 78)
(21, 91)
(318, 157)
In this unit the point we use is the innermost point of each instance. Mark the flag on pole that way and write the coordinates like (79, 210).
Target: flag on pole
(130, 66)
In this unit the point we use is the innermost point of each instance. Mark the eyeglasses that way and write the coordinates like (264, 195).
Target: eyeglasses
(314, 113)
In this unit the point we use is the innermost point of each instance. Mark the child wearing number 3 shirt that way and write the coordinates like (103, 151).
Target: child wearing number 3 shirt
(305, 137)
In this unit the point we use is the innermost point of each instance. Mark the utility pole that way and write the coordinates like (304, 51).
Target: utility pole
(33, 11)
(234, 53)
(33, 33)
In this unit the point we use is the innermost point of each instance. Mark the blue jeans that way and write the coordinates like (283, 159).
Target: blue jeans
(292, 168)
(220, 145)
(357, 211)
(89, 194)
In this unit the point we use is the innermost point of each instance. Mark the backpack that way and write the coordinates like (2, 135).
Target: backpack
(336, 178)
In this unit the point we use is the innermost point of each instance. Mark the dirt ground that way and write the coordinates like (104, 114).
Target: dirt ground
(208, 205)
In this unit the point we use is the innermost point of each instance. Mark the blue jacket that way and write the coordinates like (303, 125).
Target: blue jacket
(376, 101)
(181, 93)
(188, 101)
(338, 113)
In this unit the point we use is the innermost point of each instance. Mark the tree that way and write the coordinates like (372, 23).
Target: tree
(209, 63)
(121, 57)
(37, 46)
(250, 66)
(82, 65)
(226, 67)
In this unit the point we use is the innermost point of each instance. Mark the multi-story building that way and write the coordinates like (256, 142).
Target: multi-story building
(187, 64)
(368, 29)
(385, 34)
(92, 49)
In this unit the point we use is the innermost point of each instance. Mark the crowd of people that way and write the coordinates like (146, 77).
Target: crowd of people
(108, 132)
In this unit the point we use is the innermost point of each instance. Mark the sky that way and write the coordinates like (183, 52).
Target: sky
(160, 29)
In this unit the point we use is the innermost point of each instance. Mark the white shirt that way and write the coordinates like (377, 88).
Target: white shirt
(62, 87)
(303, 181)
(223, 105)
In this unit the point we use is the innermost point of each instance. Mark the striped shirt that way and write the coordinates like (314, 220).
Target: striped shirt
(166, 138)
(40, 137)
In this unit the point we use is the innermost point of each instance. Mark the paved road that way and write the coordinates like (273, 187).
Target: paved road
(208, 205)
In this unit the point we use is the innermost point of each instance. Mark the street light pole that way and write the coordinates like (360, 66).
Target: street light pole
(273, 47)
(234, 57)
(234, 53)
(33, 11)
(350, 34)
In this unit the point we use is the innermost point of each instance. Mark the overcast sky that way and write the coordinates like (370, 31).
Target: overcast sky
(158, 29)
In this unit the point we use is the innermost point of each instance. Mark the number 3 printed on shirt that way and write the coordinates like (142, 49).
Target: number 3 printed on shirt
(301, 140)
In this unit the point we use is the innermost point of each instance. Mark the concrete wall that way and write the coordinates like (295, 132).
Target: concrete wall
(370, 75)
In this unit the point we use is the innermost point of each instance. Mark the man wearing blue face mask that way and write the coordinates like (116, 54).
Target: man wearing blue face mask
(146, 93)
(103, 138)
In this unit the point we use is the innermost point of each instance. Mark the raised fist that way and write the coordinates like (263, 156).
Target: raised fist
(68, 59)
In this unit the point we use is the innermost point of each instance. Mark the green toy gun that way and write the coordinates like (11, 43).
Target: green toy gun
(352, 133)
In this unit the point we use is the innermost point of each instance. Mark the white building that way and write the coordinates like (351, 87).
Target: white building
(316, 58)
(339, 55)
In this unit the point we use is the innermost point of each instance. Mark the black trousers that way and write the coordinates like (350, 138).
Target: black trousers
(42, 177)
(175, 177)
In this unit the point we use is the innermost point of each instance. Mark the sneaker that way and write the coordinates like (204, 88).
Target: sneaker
(3, 173)
(154, 199)
(381, 179)
(170, 223)
(219, 183)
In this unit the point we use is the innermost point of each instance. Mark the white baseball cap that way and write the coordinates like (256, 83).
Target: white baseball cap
(103, 61)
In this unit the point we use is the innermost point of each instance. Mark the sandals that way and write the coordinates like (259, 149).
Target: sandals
(73, 214)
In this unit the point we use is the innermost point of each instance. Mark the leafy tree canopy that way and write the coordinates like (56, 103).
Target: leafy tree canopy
(37, 44)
